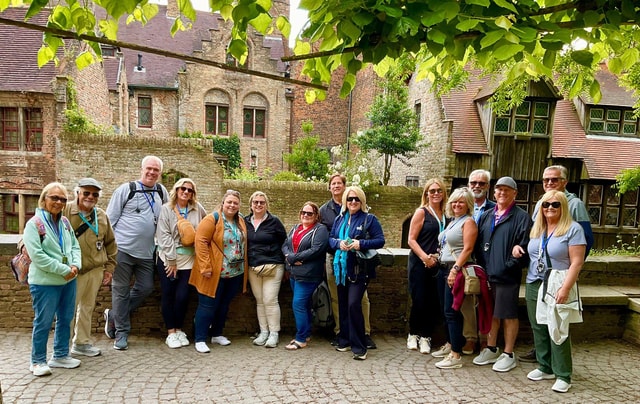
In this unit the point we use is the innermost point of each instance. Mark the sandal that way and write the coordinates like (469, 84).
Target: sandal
(295, 345)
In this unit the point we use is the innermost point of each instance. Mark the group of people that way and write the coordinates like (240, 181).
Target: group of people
(503, 239)
(76, 247)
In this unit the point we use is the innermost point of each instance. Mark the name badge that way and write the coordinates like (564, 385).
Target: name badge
(99, 245)
(65, 260)
(486, 246)
(540, 267)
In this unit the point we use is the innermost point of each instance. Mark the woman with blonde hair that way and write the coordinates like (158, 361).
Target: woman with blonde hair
(557, 242)
(176, 257)
(220, 268)
(423, 267)
(265, 236)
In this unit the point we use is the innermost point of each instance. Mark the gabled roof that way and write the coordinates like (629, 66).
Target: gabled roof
(460, 108)
(19, 55)
(612, 93)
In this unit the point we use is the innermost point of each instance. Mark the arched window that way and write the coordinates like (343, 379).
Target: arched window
(254, 116)
(216, 113)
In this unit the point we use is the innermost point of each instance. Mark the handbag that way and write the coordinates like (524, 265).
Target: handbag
(20, 264)
(186, 230)
(471, 280)
(369, 260)
(265, 270)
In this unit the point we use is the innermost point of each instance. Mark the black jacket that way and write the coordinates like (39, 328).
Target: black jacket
(311, 253)
(265, 245)
(498, 261)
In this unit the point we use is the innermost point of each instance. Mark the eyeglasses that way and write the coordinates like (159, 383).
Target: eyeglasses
(477, 183)
(551, 180)
(554, 205)
(435, 191)
(185, 189)
(55, 198)
(353, 199)
(87, 193)
(306, 213)
(259, 202)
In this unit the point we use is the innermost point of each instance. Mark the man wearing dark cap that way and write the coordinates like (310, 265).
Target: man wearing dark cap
(98, 246)
(499, 230)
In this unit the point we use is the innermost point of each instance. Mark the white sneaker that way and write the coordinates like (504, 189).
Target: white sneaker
(272, 341)
(537, 375)
(450, 362)
(220, 340)
(442, 351)
(261, 338)
(182, 337)
(67, 362)
(202, 347)
(412, 342)
(486, 357)
(505, 363)
(40, 369)
(560, 386)
(173, 341)
(425, 345)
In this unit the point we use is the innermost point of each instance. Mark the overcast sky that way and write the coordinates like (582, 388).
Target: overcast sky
(296, 17)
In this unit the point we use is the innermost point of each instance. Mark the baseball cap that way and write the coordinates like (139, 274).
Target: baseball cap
(89, 182)
(507, 182)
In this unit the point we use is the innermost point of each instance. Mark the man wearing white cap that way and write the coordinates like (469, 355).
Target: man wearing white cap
(499, 230)
(98, 246)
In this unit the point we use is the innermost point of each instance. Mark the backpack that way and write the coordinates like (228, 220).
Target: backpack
(321, 306)
(133, 189)
(20, 263)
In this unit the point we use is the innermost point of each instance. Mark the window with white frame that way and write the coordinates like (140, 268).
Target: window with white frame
(612, 121)
(531, 116)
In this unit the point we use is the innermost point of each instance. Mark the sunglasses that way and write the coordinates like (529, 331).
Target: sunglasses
(552, 180)
(477, 183)
(259, 202)
(87, 193)
(185, 189)
(435, 191)
(305, 213)
(554, 205)
(55, 198)
(353, 199)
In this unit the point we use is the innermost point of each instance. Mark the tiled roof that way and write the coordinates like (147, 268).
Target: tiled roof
(612, 93)
(459, 107)
(112, 71)
(19, 53)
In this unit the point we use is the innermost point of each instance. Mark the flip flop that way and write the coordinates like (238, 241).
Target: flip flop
(295, 345)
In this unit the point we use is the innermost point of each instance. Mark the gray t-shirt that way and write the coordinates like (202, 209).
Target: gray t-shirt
(135, 224)
(558, 249)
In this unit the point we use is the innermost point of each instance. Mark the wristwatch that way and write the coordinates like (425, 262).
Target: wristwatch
(456, 267)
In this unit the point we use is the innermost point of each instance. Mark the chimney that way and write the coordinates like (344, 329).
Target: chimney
(139, 67)
(172, 9)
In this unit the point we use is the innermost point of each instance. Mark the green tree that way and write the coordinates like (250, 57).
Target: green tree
(394, 128)
(306, 158)
(230, 147)
(628, 180)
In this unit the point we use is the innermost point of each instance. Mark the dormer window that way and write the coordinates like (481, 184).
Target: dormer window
(612, 121)
(529, 117)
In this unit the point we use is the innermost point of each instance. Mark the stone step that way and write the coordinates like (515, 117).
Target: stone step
(598, 295)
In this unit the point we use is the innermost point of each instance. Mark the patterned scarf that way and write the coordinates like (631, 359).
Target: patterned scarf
(340, 259)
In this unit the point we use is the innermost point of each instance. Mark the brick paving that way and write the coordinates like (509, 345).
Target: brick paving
(150, 372)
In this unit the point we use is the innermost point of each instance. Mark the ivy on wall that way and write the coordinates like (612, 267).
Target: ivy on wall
(77, 122)
(230, 147)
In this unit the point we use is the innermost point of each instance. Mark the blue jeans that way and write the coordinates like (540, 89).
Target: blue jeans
(49, 302)
(175, 296)
(212, 312)
(351, 318)
(301, 305)
(125, 298)
(453, 318)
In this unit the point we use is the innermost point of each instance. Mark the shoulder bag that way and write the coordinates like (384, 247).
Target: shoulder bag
(367, 261)
(185, 229)
(471, 280)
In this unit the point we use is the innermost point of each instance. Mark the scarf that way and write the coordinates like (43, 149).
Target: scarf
(340, 258)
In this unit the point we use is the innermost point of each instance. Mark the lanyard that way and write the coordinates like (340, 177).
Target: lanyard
(544, 241)
(58, 232)
(183, 213)
(440, 223)
(151, 201)
(94, 218)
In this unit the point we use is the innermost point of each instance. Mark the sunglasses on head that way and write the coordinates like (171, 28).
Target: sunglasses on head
(435, 191)
(185, 189)
(478, 183)
(55, 198)
(353, 199)
(306, 213)
(87, 193)
(554, 205)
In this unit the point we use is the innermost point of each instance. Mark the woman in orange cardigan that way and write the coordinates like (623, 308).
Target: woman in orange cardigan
(220, 269)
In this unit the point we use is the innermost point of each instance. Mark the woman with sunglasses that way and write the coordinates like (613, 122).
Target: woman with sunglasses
(304, 253)
(175, 257)
(424, 268)
(55, 263)
(220, 269)
(353, 230)
(265, 236)
(557, 242)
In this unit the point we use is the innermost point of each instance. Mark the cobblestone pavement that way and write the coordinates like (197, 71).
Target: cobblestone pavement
(150, 372)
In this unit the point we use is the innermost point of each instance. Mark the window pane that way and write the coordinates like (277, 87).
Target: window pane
(628, 116)
(613, 127)
(631, 198)
(594, 215)
(522, 125)
(594, 196)
(612, 197)
(542, 109)
(9, 128)
(613, 114)
(33, 127)
(611, 218)
(145, 117)
(502, 124)
(540, 126)
(629, 217)
(596, 114)
(523, 109)
(629, 129)
(596, 126)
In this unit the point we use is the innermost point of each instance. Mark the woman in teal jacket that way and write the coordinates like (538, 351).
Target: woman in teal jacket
(55, 262)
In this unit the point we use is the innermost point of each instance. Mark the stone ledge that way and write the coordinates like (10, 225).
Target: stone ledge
(593, 295)
(634, 305)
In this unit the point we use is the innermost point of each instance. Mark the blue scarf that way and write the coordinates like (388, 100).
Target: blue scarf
(340, 259)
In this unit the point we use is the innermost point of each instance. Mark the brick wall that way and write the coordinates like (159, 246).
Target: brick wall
(92, 92)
